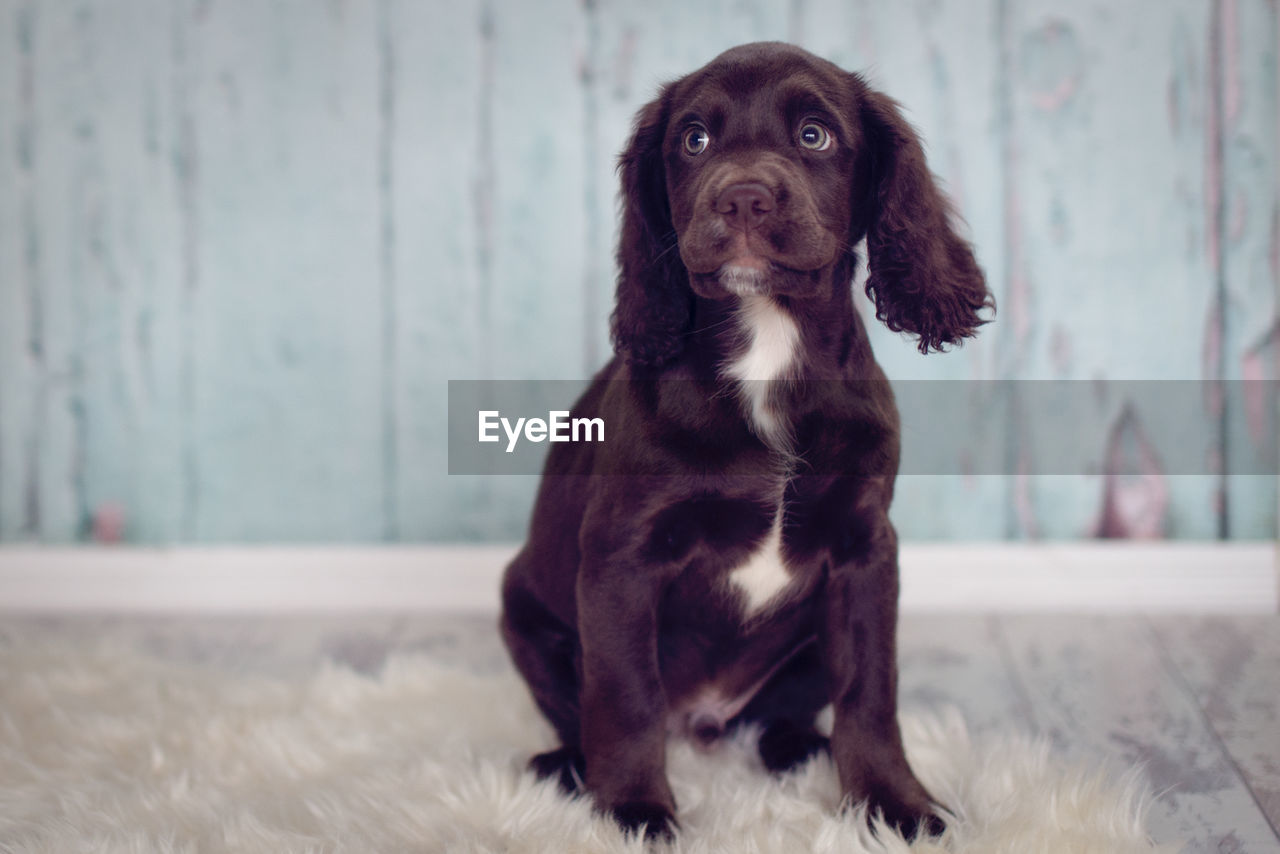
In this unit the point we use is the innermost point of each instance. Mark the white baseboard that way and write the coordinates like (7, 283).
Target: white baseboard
(1077, 577)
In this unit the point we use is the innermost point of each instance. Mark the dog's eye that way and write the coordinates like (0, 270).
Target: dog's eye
(815, 137)
(696, 140)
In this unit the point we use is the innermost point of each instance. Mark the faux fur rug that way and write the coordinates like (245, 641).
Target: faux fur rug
(116, 752)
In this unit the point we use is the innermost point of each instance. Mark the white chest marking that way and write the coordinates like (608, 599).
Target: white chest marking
(764, 575)
(774, 339)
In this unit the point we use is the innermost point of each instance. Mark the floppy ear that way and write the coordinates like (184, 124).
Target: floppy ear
(923, 276)
(654, 301)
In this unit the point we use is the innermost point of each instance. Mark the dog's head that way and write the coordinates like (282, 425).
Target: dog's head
(758, 173)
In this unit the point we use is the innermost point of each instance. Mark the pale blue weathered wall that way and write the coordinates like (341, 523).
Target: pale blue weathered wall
(243, 245)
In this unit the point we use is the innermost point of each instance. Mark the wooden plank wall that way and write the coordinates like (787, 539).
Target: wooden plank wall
(244, 245)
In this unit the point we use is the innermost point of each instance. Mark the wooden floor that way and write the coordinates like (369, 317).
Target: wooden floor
(1195, 701)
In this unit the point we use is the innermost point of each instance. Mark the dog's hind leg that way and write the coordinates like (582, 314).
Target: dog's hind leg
(786, 707)
(548, 656)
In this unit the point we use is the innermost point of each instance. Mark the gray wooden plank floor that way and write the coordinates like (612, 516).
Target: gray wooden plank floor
(1194, 700)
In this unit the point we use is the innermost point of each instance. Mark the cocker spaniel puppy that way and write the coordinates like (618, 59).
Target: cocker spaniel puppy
(727, 556)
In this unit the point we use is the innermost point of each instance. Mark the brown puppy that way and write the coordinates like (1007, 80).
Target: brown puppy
(727, 556)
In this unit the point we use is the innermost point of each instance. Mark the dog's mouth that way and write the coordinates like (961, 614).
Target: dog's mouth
(744, 276)
(754, 275)
(746, 270)
(743, 264)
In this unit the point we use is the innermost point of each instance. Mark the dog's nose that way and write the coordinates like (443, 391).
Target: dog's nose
(745, 206)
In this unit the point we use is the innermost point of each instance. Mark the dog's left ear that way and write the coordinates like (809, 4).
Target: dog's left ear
(923, 277)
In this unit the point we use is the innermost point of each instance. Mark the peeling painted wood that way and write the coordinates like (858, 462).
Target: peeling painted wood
(243, 247)
(1250, 247)
(287, 309)
(1094, 131)
(538, 191)
(436, 63)
(16, 191)
(539, 212)
(128, 257)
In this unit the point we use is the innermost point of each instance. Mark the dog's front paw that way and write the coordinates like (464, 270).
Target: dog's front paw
(910, 816)
(653, 820)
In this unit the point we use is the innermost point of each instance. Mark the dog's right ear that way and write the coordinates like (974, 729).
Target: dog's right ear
(654, 302)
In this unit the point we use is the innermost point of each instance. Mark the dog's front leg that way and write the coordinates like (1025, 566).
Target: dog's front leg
(623, 705)
(858, 640)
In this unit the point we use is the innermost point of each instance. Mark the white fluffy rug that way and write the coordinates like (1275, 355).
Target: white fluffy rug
(115, 752)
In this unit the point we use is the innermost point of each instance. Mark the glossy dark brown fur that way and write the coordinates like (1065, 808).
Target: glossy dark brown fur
(620, 612)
